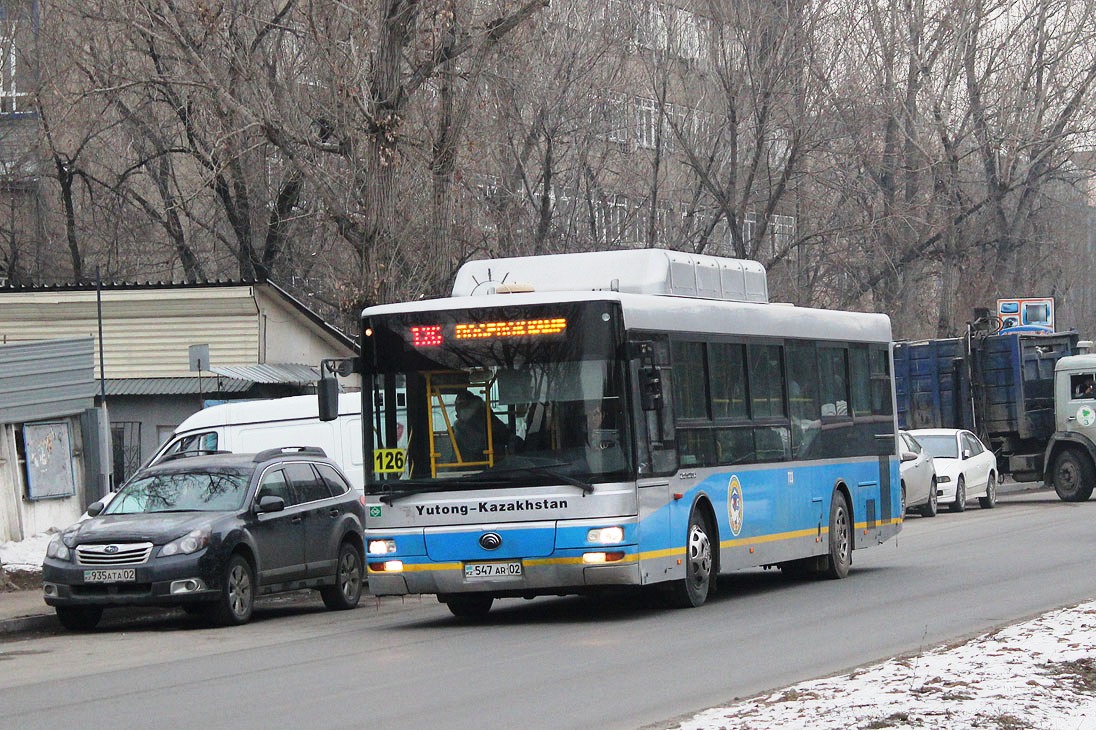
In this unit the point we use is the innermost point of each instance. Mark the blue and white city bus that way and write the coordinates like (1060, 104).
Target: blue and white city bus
(577, 422)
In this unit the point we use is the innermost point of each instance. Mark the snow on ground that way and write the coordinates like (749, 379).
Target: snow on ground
(1038, 675)
(25, 554)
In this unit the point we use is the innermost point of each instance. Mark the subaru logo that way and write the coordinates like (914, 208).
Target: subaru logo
(110, 549)
(490, 541)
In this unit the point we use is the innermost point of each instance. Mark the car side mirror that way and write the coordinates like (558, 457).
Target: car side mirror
(95, 509)
(271, 503)
(909, 456)
(966, 453)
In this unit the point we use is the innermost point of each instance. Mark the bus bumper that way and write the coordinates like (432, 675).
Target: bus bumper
(539, 577)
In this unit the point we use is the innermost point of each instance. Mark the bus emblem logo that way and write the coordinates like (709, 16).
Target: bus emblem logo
(490, 541)
(734, 505)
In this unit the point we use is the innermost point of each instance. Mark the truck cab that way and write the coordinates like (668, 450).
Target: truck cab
(1071, 452)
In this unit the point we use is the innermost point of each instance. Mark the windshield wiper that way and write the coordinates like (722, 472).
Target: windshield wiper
(549, 470)
(406, 488)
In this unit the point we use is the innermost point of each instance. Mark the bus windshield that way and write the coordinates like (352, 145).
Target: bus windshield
(501, 397)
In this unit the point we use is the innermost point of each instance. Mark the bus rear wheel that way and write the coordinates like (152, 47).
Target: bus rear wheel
(468, 605)
(693, 590)
(840, 538)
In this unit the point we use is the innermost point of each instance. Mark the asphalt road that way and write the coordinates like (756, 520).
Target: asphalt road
(557, 662)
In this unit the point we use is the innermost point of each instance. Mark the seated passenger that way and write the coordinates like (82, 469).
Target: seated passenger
(470, 429)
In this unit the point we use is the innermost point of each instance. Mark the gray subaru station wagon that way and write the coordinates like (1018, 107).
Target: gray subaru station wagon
(209, 533)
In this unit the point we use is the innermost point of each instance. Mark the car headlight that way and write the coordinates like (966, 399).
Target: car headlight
(189, 543)
(942, 479)
(58, 550)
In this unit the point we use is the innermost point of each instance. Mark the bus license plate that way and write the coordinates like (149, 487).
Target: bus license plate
(113, 575)
(492, 570)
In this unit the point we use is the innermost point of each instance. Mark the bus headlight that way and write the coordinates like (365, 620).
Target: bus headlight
(382, 547)
(605, 535)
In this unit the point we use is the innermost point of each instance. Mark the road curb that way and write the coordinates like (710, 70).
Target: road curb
(27, 624)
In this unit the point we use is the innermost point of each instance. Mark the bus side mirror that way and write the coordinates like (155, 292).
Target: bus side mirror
(650, 387)
(327, 396)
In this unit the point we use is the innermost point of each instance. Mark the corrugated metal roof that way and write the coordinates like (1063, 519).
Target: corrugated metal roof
(159, 286)
(176, 386)
(269, 373)
(146, 334)
(46, 379)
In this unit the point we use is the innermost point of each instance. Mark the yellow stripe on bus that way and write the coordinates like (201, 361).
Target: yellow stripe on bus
(652, 554)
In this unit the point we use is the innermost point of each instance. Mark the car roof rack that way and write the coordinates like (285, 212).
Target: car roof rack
(188, 453)
(290, 451)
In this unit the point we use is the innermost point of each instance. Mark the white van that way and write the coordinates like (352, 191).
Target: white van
(252, 426)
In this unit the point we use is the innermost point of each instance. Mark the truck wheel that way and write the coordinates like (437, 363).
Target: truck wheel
(990, 500)
(930, 508)
(1073, 476)
(960, 503)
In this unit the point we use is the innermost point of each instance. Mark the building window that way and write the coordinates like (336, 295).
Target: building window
(125, 439)
(646, 122)
(617, 117)
(18, 31)
(653, 30)
(780, 234)
(611, 219)
(783, 232)
(610, 117)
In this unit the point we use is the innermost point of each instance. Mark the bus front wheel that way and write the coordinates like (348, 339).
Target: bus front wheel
(693, 590)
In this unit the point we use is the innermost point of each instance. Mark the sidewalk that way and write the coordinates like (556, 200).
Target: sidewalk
(24, 611)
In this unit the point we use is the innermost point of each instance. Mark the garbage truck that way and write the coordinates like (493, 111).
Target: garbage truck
(1030, 397)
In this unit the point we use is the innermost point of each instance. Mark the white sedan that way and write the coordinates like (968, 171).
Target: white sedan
(965, 468)
(919, 490)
